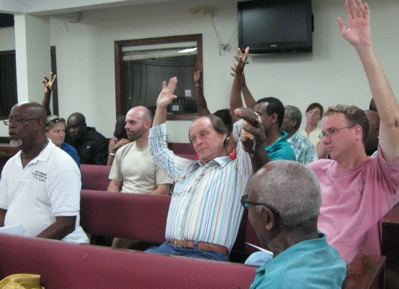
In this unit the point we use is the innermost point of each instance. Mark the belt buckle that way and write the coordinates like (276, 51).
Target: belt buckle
(180, 243)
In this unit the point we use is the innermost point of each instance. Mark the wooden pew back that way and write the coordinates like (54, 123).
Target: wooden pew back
(365, 272)
(389, 247)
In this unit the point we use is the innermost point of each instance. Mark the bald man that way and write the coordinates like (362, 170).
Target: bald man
(133, 169)
(374, 131)
(91, 145)
(40, 185)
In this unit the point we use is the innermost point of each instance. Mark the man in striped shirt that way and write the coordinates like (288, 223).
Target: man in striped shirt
(205, 210)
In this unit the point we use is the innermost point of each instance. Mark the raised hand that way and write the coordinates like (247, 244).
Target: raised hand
(233, 73)
(242, 60)
(358, 32)
(48, 83)
(197, 74)
(166, 96)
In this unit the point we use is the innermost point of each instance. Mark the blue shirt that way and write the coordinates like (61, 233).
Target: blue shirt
(281, 149)
(311, 264)
(70, 150)
(303, 148)
(205, 204)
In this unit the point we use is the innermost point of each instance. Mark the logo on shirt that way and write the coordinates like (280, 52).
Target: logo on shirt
(42, 177)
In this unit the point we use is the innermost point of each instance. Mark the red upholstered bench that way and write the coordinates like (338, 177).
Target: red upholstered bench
(62, 265)
(66, 266)
(95, 177)
(133, 216)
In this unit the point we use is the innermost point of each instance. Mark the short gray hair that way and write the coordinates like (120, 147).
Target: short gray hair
(291, 188)
(295, 114)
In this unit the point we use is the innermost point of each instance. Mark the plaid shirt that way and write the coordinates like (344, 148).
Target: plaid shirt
(304, 150)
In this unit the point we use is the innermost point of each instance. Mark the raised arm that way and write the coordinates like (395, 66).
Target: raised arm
(2, 217)
(358, 33)
(164, 99)
(48, 88)
(235, 94)
(248, 98)
(199, 92)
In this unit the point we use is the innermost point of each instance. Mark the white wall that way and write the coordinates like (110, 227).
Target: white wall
(332, 74)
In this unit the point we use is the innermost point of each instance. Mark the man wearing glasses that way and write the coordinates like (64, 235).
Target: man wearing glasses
(40, 185)
(283, 205)
(358, 190)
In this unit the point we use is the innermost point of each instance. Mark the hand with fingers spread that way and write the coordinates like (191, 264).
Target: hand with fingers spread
(358, 32)
(166, 96)
(49, 82)
(242, 60)
(239, 84)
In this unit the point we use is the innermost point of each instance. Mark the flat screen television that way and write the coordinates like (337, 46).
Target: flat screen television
(275, 26)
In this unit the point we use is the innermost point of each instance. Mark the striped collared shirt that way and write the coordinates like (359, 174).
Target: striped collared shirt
(205, 205)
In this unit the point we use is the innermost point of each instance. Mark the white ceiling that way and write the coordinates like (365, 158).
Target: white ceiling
(51, 7)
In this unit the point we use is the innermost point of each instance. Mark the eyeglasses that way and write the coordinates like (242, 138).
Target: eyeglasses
(245, 203)
(332, 131)
(55, 120)
(18, 121)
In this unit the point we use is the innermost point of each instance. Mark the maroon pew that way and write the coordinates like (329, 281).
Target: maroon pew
(66, 266)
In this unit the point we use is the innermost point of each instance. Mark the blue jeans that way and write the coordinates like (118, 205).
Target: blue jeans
(169, 249)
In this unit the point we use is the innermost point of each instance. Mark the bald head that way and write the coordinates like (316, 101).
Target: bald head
(372, 105)
(77, 117)
(31, 109)
(76, 126)
(138, 124)
(27, 128)
(374, 131)
(141, 112)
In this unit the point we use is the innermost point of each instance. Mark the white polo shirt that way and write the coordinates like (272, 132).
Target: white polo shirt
(49, 186)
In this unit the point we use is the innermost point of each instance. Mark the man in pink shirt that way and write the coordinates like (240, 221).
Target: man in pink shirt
(358, 190)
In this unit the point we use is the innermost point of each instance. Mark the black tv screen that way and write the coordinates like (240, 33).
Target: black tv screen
(275, 26)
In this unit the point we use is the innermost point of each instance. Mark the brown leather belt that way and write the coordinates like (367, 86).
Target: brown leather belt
(200, 246)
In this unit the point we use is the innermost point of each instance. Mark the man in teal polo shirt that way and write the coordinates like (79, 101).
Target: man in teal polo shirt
(284, 218)
(271, 111)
